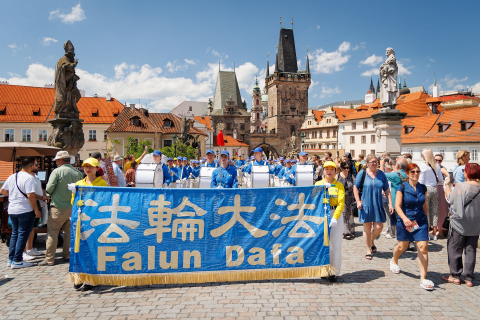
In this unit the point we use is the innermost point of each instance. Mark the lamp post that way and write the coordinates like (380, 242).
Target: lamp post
(302, 140)
(217, 153)
(175, 139)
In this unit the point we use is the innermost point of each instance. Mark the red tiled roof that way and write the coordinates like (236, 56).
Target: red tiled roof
(152, 123)
(341, 113)
(6, 169)
(426, 129)
(318, 115)
(230, 141)
(21, 101)
(458, 97)
(205, 121)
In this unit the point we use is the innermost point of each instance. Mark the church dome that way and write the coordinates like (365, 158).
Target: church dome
(404, 90)
(256, 88)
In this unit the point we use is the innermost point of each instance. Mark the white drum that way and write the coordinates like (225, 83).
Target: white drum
(205, 177)
(149, 175)
(304, 175)
(260, 176)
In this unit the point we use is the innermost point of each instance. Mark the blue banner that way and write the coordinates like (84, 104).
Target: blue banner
(136, 236)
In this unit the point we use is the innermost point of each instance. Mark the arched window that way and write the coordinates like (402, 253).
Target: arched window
(257, 102)
(258, 115)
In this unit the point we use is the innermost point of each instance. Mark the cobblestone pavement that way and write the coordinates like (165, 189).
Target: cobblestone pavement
(366, 289)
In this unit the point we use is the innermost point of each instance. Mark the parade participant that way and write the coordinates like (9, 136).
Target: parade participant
(195, 168)
(117, 162)
(210, 159)
(132, 158)
(22, 211)
(336, 193)
(60, 206)
(224, 176)
(179, 162)
(412, 222)
(257, 160)
(285, 174)
(239, 163)
(186, 170)
(303, 162)
(371, 182)
(90, 167)
(279, 166)
(172, 171)
(157, 158)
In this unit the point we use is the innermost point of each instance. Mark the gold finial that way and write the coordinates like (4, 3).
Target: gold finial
(280, 21)
(292, 23)
(307, 48)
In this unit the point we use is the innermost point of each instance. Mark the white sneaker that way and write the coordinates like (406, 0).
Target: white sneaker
(19, 265)
(388, 236)
(34, 252)
(385, 232)
(27, 257)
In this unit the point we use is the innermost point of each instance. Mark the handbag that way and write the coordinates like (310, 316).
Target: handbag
(39, 205)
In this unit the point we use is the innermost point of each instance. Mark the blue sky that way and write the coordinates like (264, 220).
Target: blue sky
(166, 52)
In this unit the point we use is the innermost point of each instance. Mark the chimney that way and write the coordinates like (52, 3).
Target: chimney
(95, 95)
(109, 97)
(3, 82)
(145, 112)
(49, 86)
(132, 105)
(82, 93)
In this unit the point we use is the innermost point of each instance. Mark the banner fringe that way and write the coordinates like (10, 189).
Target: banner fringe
(146, 279)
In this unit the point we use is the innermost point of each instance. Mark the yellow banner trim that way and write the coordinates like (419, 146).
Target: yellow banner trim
(146, 279)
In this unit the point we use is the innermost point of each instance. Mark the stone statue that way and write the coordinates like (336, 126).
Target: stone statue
(67, 126)
(184, 130)
(66, 92)
(293, 140)
(388, 78)
(378, 129)
(198, 153)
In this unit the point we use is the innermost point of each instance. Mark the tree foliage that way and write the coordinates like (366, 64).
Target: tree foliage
(136, 147)
(182, 151)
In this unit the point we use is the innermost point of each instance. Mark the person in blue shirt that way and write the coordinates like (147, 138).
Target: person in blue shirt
(463, 157)
(258, 160)
(224, 176)
(186, 168)
(173, 171)
(195, 168)
(285, 173)
(279, 166)
(157, 157)
(210, 159)
(303, 161)
(239, 163)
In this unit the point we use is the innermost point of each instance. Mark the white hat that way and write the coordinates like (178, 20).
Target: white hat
(62, 155)
(117, 157)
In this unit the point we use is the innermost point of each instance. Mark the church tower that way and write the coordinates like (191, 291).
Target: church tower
(287, 90)
(256, 114)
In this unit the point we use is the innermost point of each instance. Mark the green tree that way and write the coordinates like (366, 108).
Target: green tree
(182, 151)
(351, 105)
(136, 148)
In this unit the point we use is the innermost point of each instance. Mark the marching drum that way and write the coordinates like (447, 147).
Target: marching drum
(205, 177)
(149, 175)
(260, 176)
(304, 175)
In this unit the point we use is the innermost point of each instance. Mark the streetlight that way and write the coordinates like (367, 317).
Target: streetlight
(217, 153)
(302, 140)
(175, 139)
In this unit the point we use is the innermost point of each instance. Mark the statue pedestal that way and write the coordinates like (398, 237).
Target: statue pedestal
(388, 124)
(67, 134)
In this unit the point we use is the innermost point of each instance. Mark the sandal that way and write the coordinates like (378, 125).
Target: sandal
(348, 237)
(394, 267)
(451, 279)
(374, 249)
(427, 285)
(468, 283)
(368, 256)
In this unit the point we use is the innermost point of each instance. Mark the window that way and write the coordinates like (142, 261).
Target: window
(258, 115)
(454, 154)
(42, 135)
(372, 151)
(315, 134)
(167, 123)
(365, 124)
(105, 137)
(352, 152)
(354, 126)
(292, 129)
(364, 152)
(334, 133)
(242, 126)
(364, 139)
(410, 151)
(229, 126)
(474, 154)
(352, 139)
(321, 134)
(309, 122)
(328, 133)
(372, 138)
(9, 135)
(329, 120)
(92, 135)
(442, 152)
(26, 135)
(257, 102)
(167, 143)
(135, 121)
(190, 108)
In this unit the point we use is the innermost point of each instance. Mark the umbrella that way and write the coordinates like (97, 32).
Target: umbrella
(10, 150)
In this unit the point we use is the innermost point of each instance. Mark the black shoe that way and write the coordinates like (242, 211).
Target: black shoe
(332, 278)
(412, 246)
(87, 287)
(78, 286)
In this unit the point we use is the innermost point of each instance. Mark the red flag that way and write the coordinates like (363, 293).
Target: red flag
(220, 140)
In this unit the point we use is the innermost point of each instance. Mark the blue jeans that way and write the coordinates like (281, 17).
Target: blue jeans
(22, 225)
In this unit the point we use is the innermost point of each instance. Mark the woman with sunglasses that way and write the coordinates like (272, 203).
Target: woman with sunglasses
(412, 222)
(370, 206)
(346, 178)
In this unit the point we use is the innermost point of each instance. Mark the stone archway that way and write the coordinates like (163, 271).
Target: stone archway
(268, 149)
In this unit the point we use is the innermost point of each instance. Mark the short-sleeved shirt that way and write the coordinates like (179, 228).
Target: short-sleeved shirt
(395, 181)
(413, 200)
(372, 206)
(458, 173)
(17, 202)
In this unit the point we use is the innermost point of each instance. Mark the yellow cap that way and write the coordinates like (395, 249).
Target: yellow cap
(329, 164)
(91, 161)
(175, 159)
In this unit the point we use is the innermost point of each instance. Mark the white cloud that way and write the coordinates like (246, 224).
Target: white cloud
(453, 82)
(403, 70)
(318, 27)
(432, 60)
(120, 69)
(215, 53)
(190, 61)
(371, 72)
(328, 92)
(46, 41)
(12, 46)
(362, 45)
(373, 60)
(476, 88)
(173, 67)
(299, 64)
(76, 15)
(329, 62)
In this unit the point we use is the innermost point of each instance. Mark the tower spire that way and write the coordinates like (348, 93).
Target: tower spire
(280, 22)
(434, 79)
(378, 86)
(308, 63)
(268, 67)
(372, 88)
(399, 83)
(292, 23)
(404, 83)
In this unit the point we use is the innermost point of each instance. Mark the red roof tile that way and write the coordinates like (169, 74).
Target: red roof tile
(6, 169)
(20, 102)
(341, 113)
(205, 121)
(318, 115)
(230, 142)
(458, 97)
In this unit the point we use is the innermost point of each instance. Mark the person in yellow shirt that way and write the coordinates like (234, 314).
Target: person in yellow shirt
(336, 192)
(90, 167)
(131, 158)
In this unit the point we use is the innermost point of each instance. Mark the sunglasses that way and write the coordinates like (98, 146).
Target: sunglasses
(415, 171)
(438, 160)
(373, 162)
(346, 168)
